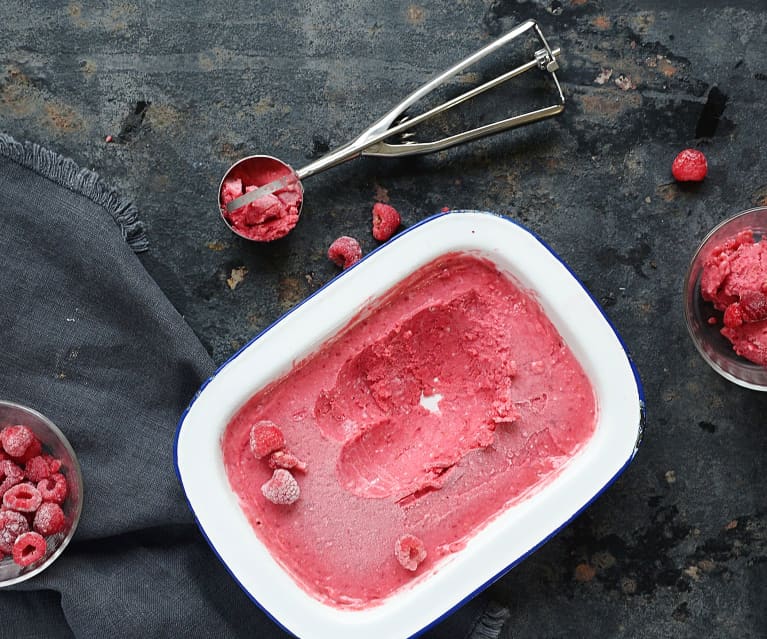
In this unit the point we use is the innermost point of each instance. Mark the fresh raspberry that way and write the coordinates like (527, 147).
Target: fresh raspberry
(16, 439)
(286, 459)
(49, 519)
(689, 166)
(282, 488)
(28, 548)
(12, 524)
(10, 475)
(54, 488)
(386, 220)
(265, 438)
(37, 469)
(410, 551)
(345, 251)
(23, 498)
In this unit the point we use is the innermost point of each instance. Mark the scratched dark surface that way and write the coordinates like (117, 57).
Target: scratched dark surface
(678, 545)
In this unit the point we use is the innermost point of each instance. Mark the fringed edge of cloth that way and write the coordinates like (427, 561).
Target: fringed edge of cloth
(66, 172)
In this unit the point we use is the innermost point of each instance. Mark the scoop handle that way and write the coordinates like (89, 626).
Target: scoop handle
(371, 142)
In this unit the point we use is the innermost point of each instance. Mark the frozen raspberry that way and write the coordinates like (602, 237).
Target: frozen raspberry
(265, 438)
(689, 166)
(10, 475)
(17, 439)
(410, 551)
(53, 463)
(37, 469)
(35, 450)
(12, 524)
(286, 459)
(282, 488)
(28, 548)
(49, 519)
(54, 488)
(386, 220)
(23, 498)
(345, 251)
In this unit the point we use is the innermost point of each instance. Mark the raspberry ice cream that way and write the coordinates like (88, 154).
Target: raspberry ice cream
(270, 217)
(734, 280)
(448, 401)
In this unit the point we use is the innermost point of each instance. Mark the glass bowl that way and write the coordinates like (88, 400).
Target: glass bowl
(716, 349)
(54, 443)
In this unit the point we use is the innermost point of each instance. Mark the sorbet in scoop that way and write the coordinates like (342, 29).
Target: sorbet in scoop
(270, 217)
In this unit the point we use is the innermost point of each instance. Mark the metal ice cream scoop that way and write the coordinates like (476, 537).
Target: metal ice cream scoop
(374, 140)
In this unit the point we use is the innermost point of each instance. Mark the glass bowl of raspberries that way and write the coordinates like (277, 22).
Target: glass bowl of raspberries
(41, 493)
(725, 299)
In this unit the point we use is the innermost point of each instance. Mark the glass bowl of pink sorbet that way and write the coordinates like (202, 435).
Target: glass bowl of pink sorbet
(42, 493)
(725, 299)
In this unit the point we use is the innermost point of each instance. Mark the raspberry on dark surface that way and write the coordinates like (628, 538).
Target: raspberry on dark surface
(49, 519)
(23, 498)
(53, 488)
(386, 221)
(17, 439)
(282, 488)
(689, 165)
(28, 548)
(12, 524)
(345, 251)
(265, 437)
(10, 475)
(410, 551)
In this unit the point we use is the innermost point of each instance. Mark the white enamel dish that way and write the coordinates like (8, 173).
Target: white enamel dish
(507, 539)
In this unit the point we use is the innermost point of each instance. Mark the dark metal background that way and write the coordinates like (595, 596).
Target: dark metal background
(677, 546)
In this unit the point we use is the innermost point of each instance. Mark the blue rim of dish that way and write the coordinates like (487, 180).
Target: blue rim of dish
(506, 569)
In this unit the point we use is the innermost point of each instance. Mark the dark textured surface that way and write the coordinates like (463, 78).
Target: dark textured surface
(678, 544)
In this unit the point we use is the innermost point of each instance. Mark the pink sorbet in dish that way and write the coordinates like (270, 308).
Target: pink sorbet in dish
(734, 280)
(447, 401)
(270, 217)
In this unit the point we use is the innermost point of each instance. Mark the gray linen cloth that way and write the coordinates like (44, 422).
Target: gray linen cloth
(88, 339)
